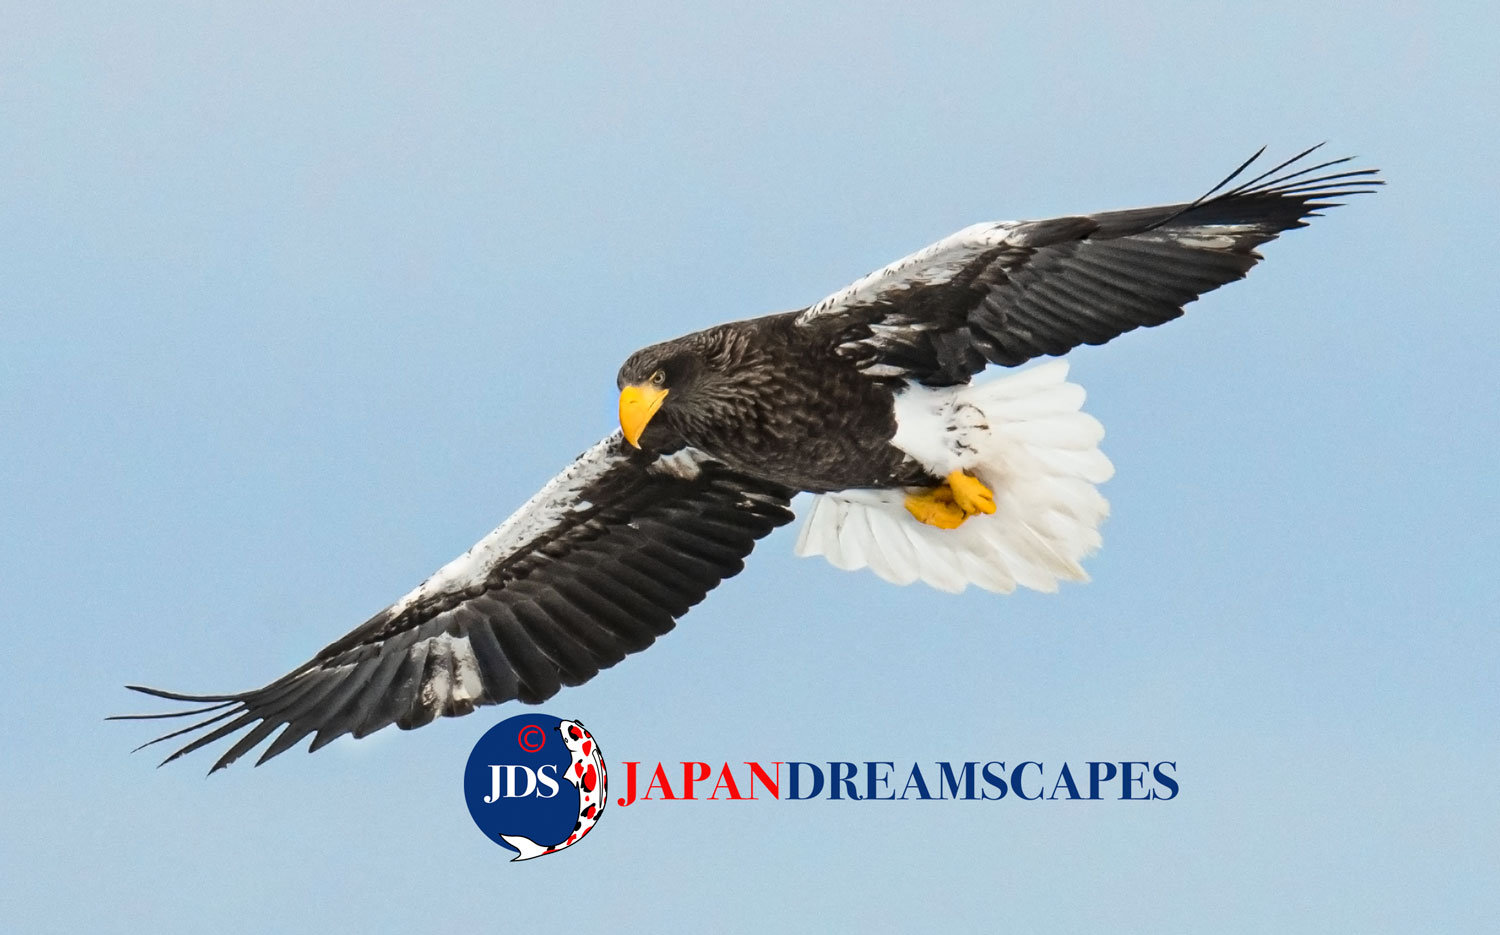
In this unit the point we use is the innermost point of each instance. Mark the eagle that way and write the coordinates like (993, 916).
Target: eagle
(865, 399)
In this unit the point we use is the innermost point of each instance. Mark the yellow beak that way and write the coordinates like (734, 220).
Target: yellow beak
(638, 403)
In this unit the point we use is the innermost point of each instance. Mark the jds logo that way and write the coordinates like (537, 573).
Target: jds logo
(536, 784)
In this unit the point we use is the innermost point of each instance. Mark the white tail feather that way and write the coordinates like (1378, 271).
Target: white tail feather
(1026, 437)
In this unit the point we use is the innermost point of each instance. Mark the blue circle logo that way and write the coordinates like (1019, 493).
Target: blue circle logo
(536, 784)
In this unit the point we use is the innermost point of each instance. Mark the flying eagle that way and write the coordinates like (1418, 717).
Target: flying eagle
(863, 399)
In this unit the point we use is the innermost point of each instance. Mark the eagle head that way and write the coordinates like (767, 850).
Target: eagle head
(665, 378)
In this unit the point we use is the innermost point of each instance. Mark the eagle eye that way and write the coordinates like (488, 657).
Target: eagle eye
(659, 378)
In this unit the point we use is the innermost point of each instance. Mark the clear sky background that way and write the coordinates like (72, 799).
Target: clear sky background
(299, 300)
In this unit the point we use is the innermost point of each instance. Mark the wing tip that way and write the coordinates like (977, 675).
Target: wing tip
(1285, 183)
(182, 696)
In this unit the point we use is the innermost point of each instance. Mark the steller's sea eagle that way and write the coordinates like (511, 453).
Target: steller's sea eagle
(863, 399)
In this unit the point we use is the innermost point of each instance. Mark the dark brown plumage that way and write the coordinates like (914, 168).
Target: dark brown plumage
(775, 400)
(722, 427)
(805, 398)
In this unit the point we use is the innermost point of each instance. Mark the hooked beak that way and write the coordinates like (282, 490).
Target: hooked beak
(638, 403)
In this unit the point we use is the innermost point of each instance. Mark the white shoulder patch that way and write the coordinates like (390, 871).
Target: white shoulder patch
(684, 463)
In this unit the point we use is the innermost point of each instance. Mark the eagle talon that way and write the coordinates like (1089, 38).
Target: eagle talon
(949, 504)
(970, 493)
(935, 507)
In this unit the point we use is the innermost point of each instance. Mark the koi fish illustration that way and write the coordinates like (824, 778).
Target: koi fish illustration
(587, 772)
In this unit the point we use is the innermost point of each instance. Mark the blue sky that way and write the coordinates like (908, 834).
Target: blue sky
(297, 301)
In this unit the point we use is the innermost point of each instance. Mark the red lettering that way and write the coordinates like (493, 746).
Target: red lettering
(688, 777)
(756, 770)
(726, 778)
(659, 781)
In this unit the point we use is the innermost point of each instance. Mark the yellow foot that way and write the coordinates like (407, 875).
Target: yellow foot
(947, 506)
(970, 494)
(935, 507)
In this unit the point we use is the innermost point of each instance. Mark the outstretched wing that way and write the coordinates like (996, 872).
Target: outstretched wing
(598, 564)
(1009, 291)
